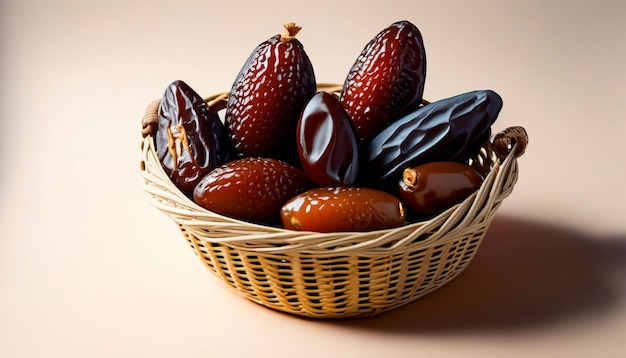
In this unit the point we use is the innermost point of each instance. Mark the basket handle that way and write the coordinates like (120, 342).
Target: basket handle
(150, 121)
(509, 139)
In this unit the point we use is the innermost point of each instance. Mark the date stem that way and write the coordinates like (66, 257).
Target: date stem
(410, 177)
(290, 32)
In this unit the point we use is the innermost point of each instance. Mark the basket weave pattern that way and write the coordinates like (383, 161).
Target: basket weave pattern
(332, 275)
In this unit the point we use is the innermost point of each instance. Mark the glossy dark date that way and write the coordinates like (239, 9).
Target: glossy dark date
(343, 209)
(268, 95)
(433, 187)
(445, 130)
(326, 142)
(190, 140)
(386, 80)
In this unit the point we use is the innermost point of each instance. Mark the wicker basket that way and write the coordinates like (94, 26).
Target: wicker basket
(346, 274)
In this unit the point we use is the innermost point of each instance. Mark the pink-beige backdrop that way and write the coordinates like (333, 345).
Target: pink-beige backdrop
(88, 268)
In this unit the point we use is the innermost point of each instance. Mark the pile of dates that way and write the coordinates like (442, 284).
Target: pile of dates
(372, 155)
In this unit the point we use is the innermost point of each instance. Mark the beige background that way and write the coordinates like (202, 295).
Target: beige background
(88, 268)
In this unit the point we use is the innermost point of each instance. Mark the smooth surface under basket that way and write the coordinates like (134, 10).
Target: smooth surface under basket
(346, 274)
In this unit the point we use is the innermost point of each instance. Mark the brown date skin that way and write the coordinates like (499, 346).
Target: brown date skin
(190, 139)
(251, 189)
(434, 187)
(326, 143)
(386, 80)
(267, 97)
(343, 209)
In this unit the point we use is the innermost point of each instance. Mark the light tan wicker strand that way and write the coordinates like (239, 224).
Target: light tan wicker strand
(332, 275)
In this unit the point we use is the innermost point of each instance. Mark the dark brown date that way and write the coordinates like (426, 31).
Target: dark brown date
(326, 143)
(446, 130)
(343, 209)
(433, 187)
(268, 95)
(191, 139)
(251, 189)
(386, 80)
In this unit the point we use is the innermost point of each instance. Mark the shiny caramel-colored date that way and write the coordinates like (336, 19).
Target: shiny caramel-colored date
(343, 209)
(434, 187)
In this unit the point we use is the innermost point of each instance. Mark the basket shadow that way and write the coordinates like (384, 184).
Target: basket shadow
(525, 275)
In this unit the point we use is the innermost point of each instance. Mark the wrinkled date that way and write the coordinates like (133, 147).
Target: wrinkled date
(191, 139)
(445, 130)
(433, 187)
(343, 209)
(386, 80)
(326, 143)
(268, 95)
(252, 189)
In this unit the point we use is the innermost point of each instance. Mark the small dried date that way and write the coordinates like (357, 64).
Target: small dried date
(190, 139)
(433, 187)
(252, 189)
(343, 209)
(326, 143)
(445, 130)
